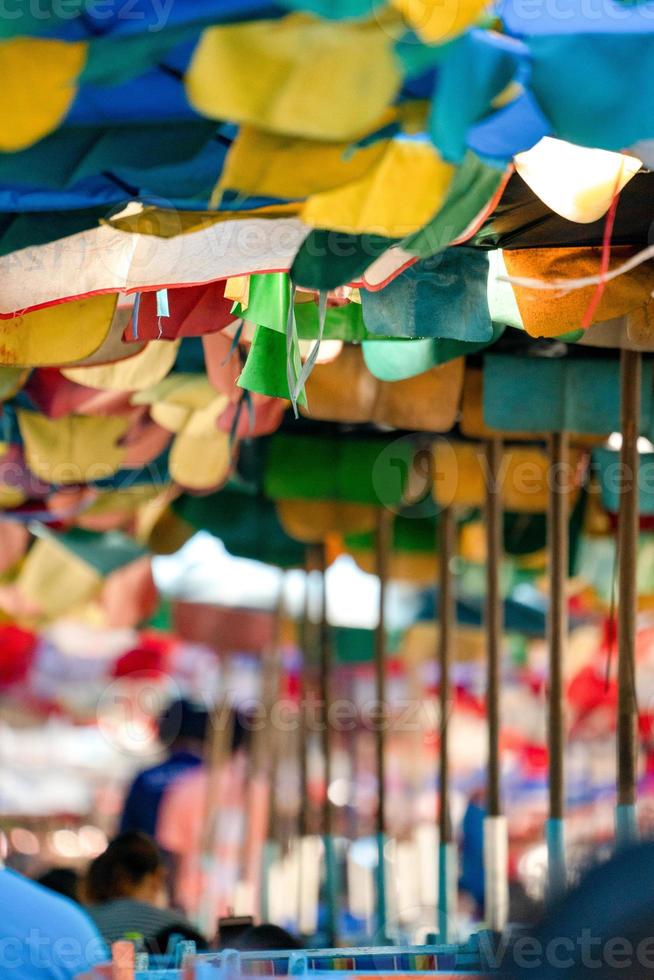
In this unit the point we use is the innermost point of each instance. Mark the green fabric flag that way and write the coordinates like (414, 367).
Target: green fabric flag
(410, 534)
(268, 306)
(115, 59)
(328, 468)
(329, 259)
(247, 525)
(39, 228)
(471, 190)
(334, 9)
(357, 646)
(106, 552)
(33, 19)
(265, 371)
(397, 359)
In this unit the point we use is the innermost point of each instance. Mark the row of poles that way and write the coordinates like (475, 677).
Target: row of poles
(495, 825)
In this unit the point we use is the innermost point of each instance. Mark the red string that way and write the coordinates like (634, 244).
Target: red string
(605, 259)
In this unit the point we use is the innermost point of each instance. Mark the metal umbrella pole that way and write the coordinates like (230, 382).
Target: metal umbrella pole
(309, 858)
(630, 392)
(557, 637)
(447, 853)
(496, 889)
(331, 866)
(382, 551)
(270, 751)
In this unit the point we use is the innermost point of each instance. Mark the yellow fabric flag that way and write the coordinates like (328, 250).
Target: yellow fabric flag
(200, 456)
(135, 373)
(404, 566)
(73, 449)
(270, 165)
(11, 497)
(126, 501)
(55, 580)
(58, 334)
(396, 197)
(325, 80)
(312, 520)
(189, 391)
(38, 87)
(437, 21)
(460, 477)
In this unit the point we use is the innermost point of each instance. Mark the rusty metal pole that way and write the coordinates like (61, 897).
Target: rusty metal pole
(495, 828)
(557, 532)
(630, 392)
(447, 853)
(382, 552)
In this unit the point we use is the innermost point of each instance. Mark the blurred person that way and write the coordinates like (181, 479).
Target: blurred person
(125, 890)
(204, 876)
(44, 936)
(167, 938)
(472, 879)
(266, 937)
(64, 881)
(601, 929)
(182, 728)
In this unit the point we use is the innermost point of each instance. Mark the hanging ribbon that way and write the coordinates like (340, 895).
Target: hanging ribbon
(135, 316)
(605, 258)
(236, 339)
(162, 308)
(310, 362)
(293, 368)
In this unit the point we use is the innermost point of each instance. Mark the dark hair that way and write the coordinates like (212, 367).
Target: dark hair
(64, 881)
(126, 861)
(264, 938)
(183, 719)
(159, 944)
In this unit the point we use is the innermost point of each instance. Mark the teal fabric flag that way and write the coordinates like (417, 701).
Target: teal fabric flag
(540, 394)
(596, 90)
(396, 360)
(478, 67)
(608, 469)
(443, 296)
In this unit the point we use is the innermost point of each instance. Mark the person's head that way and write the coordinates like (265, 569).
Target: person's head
(131, 867)
(183, 725)
(166, 938)
(265, 938)
(64, 881)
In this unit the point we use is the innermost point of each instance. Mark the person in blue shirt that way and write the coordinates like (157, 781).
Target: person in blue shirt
(44, 936)
(183, 729)
(472, 851)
